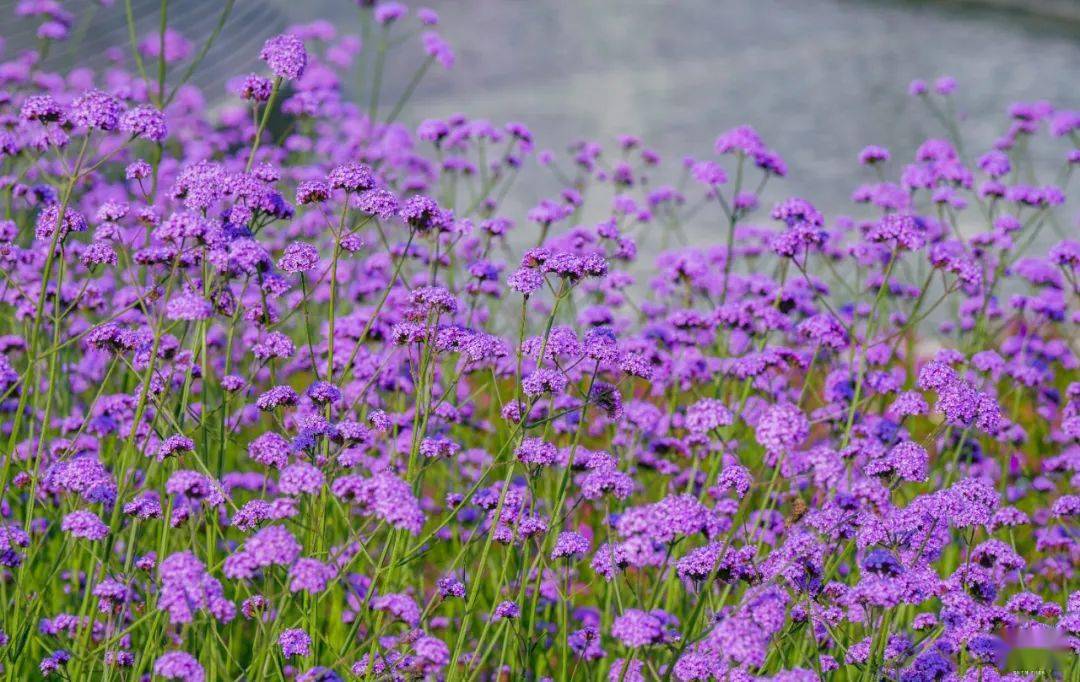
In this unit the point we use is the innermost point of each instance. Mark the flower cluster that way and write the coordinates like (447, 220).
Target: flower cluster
(288, 391)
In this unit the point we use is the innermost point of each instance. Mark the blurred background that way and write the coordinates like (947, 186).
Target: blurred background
(818, 78)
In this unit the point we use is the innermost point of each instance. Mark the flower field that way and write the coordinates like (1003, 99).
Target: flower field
(291, 390)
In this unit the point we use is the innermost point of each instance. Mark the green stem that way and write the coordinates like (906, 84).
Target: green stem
(262, 123)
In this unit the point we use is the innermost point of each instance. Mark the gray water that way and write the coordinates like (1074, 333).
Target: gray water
(818, 78)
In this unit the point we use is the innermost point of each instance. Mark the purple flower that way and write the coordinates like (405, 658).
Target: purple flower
(145, 122)
(544, 381)
(537, 451)
(186, 588)
(300, 478)
(970, 502)
(988, 649)
(378, 202)
(636, 628)
(256, 88)
(525, 280)
(312, 192)
(97, 109)
(84, 525)
(99, 253)
(881, 562)
(177, 48)
(900, 228)
(585, 643)
(1066, 505)
(825, 330)
(138, 170)
(174, 445)
(274, 345)
(352, 177)
(423, 214)
(179, 665)
(945, 85)
(735, 477)
(54, 662)
(907, 461)
(425, 300)
(49, 219)
(270, 449)
(310, 575)
(438, 448)
(936, 375)
(389, 12)
(146, 506)
(707, 414)
(400, 606)
(41, 108)
(450, 587)
(507, 610)
(271, 546)
(698, 564)
(959, 402)
(708, 173)
(188, 306)
(804, 224)
(383, 495)
(909, 403)
(570, 545)
(195, 486)
(299, 257)
(745, 636)
(285, 55)
(438, 49)
(428, 17)
(873, 154)
(278, 396)
(742, 139)
(323, 392)
(1066, 254)
(782, 428)
(294, 642)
